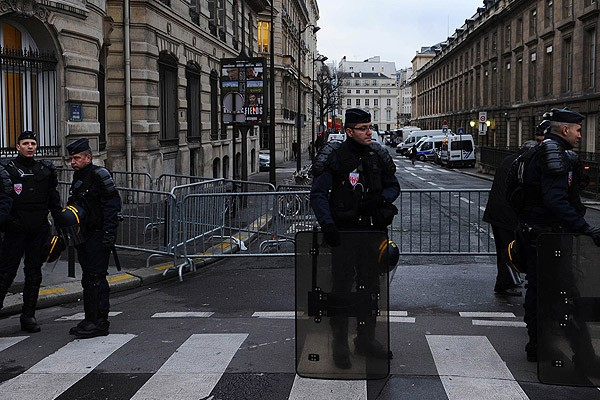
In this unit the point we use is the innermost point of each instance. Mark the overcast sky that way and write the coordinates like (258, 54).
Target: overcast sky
(392, 29)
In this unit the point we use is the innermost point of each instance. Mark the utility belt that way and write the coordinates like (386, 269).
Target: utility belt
(530, 233)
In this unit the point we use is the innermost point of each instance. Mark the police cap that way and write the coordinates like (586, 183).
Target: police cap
(27, 135)
(564, 115)
(78, 146)
(356, 116)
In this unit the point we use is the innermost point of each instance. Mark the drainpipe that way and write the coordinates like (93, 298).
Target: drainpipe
(127, 51)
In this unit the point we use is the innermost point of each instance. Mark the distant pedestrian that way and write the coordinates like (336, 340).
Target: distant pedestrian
(94, 195)
(413, 154)
(31, 186)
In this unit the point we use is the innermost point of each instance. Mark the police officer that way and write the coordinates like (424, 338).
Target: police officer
(31, 187)
(503, 219)
(548, 203)
(353, 189)
(94, 194)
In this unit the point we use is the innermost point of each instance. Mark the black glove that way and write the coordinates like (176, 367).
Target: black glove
(371, 203)
(331, 235)
(594, 233)
(108, 240)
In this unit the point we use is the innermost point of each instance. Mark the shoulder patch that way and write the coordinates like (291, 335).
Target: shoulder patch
(323, 157)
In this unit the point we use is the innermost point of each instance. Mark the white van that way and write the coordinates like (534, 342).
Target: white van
(458, 150)
(414, 137)
(427, 147)
(339, 136)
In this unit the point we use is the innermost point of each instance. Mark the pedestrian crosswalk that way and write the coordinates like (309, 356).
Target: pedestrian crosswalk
(469, 367)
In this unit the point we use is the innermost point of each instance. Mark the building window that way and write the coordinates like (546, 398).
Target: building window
(367, 91)
(507, 36)
(357, 91)
(507, 83)
(388, 102)
(349, 91)
(236, 22)
(367, 102)
(214, 105)
(549, 17)
(519, 79)
(376, 91)
(263, 36)
(348, 102)
(374, 82)
(376, 102)
(548, 71)
(589, 58)
(388, 115)
(519, 29)
(567, 8)
(375, 115)
(486, 49)
(357, 83)
(167, 72)
(494, 43)
(533, 22)
(358, 102)
(192, 75)
(532, 75)
(567, 65)
(366, 82)
(388, 91)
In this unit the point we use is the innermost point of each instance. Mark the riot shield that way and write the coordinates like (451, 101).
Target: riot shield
(568, 310)
(342, 324)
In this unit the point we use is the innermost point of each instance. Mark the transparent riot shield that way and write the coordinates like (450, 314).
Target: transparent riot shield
(568, 310)
(342, 324)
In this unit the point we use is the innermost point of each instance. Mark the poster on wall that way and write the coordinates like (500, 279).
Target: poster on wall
(243, 81)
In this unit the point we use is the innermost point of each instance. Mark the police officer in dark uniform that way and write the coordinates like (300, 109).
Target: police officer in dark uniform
(31, 187)
(549, 203)
(353, 189)
(93, 194)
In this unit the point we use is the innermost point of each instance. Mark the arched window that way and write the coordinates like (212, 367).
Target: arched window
(226, 167)
(167, 82)
(28, 92)
(216, 167)
(194, 105)
(214, 105)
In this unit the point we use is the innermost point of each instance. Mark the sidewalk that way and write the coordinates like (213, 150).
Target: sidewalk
(58, 288)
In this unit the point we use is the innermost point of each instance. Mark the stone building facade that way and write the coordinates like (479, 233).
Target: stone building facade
(514, 60)
(139, 78)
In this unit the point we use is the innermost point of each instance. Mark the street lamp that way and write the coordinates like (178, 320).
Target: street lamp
(320, 58)
(299, 110)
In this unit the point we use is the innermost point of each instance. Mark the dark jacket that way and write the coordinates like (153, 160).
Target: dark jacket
(94, 190)
(550, 176)
(497, 210)
(348, 179)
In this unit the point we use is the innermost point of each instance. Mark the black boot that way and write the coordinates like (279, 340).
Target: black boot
(95, 297)
(341, 350)
(365, 343)
(31, 291)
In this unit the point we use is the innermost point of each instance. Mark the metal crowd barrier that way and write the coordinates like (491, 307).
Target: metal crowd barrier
(206, 218)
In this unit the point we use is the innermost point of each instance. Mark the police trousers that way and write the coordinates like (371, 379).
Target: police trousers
(18, 243)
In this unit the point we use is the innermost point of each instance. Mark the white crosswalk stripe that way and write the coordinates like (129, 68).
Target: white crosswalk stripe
(195, 368)
(59, 371)
(468, 366)
(471, 369)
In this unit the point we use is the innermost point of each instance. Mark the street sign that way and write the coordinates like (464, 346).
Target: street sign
(445, 129)
(232, 108)
(482, 116)
(461, 131)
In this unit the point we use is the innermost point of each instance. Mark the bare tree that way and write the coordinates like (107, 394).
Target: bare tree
(331, 94)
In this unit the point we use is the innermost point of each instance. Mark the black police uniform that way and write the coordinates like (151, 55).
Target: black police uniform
(31, 186)
(94, 191)
(354, 187)
(552, 204)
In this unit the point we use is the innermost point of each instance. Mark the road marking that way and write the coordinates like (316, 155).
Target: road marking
(470, 369)
(421, 178)
(515, 324)
(80, 316)
(194, 369)
(407, 320)
(482, 208)
(486, 314)
(466, 200)
(275, 314)
(45, 292)
(59, 371)
(6, 342)
(432, 184)
(321, 389)
(184, 314)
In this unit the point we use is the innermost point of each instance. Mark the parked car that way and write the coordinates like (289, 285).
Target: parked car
(264, 162)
